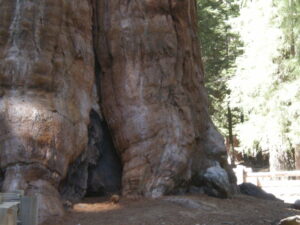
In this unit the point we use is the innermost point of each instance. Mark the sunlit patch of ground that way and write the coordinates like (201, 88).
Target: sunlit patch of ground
(96, 207)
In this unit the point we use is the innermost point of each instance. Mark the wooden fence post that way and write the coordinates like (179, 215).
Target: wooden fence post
(244, 175)
(240, 174)
(29, 210)
(15, 208)
(297, 157)
(8, 213)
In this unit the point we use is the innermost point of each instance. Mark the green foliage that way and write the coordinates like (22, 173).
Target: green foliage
(266, 85)
(251, 54)
(220, 47)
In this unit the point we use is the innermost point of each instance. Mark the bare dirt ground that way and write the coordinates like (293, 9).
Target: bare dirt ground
(176, 210)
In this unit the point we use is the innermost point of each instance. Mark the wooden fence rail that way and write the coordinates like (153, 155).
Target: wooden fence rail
(294, 173)
(245, 174)
(283, 184)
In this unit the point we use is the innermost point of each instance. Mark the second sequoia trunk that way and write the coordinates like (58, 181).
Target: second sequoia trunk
(153, 98)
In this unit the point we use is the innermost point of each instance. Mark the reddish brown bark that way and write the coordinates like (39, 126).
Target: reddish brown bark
(153, 96)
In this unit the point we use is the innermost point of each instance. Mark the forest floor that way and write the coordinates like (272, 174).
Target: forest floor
(176, 210)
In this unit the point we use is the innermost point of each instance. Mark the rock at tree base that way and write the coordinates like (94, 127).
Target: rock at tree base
(253, 190)
(217, 182)
(296, 204)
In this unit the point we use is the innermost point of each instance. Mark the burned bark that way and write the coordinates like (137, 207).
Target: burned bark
(98, 170)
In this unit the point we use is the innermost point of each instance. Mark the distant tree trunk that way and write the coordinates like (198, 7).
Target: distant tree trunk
(281, 160)
(292, 27)
(231, 138)
(297, 157)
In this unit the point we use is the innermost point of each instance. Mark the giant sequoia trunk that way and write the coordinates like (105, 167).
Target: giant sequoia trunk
(68, 68)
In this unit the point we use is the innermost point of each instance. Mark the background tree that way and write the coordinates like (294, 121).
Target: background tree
(220, 47)
(266, 83)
